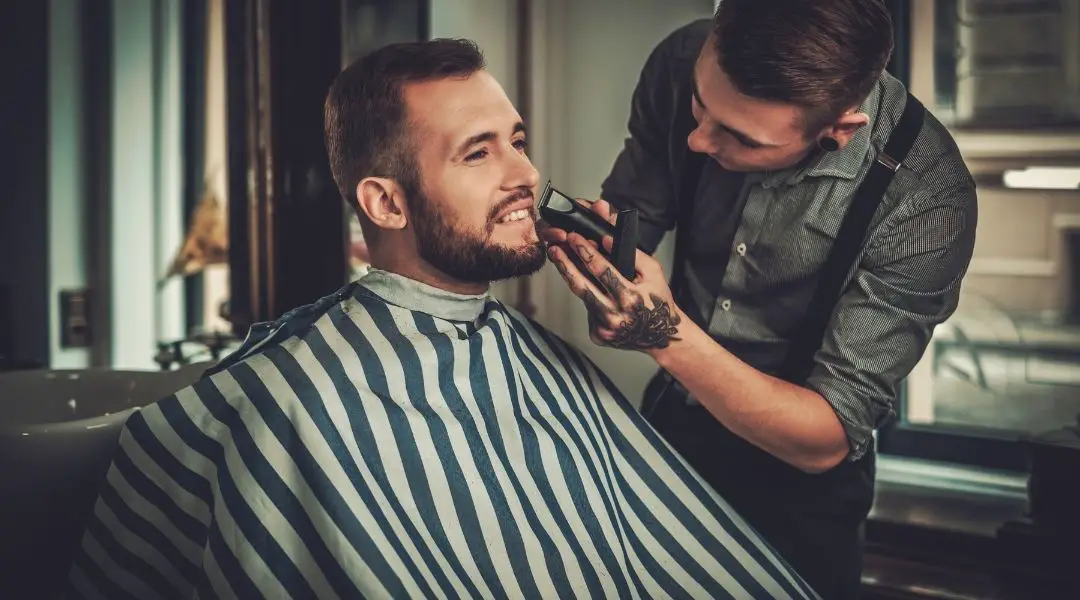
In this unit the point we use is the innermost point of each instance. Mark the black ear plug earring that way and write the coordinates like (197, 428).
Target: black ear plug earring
(828, 144)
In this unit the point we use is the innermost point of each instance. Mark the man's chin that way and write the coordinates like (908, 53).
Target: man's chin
(536, 259)
(516, 237)
(520, 262)
(494, 263)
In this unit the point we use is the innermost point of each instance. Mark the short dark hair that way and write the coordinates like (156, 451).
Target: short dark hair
(364, 118)
(822, 55)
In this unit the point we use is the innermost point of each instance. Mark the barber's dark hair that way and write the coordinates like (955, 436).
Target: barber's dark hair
(364, 118)
(822, 55)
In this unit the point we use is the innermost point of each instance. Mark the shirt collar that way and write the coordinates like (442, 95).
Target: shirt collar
(845, 163)
(420, 297)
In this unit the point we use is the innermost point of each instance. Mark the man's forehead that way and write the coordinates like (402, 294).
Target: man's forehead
(450, 104)
(452, 110)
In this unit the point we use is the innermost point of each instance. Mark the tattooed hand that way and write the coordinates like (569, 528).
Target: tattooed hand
(635, 315)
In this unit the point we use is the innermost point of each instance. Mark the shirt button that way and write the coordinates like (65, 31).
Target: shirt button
(726, 305)
(741, 249)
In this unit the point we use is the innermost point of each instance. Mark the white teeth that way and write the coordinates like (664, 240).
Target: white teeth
(517, 215)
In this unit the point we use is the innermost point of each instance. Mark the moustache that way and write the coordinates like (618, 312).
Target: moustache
(517, 196)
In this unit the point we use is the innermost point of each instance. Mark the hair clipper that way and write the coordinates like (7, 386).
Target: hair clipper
(561, 211)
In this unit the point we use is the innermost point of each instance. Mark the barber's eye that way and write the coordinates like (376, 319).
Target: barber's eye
(476, 155)
(747, 143)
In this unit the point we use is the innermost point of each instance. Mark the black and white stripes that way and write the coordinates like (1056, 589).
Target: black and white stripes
(405, 452)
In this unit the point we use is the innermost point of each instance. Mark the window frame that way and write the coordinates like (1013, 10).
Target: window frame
(975, 447)
(194, 91)
(1001, 450)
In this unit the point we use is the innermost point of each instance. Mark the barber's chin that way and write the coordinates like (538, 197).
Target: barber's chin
(728, 165)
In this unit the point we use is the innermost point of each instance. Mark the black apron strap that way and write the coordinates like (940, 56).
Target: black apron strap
(689, 177)
(686, 188)
(849, 240)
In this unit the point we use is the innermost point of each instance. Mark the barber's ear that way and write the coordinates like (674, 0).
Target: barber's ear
(383, 202)
(844, 128)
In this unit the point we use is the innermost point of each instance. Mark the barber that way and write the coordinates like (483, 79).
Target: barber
(824, 221)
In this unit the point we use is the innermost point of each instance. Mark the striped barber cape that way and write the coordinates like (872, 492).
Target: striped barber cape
(398, 441)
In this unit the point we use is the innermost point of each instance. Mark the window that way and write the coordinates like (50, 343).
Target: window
(1007, 64)
(202, 257)
(1004, 75)
(366, 26)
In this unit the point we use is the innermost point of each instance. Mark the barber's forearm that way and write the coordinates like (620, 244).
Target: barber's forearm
(791, 422)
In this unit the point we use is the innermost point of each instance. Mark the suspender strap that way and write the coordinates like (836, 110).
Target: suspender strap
(845, 250)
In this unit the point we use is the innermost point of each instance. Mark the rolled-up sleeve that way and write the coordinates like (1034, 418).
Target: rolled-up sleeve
(641, 176)
(907, 283)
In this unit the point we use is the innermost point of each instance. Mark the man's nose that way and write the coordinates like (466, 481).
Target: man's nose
(522, 173)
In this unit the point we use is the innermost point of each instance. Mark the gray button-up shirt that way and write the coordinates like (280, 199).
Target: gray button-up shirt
(759, 241)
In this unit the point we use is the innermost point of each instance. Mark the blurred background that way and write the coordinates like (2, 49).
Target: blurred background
(165, 186)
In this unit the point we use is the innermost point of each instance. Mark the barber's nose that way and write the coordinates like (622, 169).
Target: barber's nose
(700, 142)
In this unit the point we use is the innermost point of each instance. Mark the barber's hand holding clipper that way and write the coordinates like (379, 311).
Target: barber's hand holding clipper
(789, 421)
(634, 315)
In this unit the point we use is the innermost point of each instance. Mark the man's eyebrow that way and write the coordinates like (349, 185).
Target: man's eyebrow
(473, 140)
(742, 137)
(486, 136)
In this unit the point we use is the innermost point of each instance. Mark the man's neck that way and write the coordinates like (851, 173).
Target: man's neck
(418, 269)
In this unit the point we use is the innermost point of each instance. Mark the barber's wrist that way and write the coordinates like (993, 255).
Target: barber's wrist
(686, 334)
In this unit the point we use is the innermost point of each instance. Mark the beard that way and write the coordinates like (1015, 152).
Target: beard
(467, 254)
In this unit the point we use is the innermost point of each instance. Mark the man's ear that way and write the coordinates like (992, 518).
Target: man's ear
(382, 201)
(844, 128)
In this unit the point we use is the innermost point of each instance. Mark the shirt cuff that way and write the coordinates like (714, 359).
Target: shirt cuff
(856, 414)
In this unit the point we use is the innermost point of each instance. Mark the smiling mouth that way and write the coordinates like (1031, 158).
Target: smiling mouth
(517, 215)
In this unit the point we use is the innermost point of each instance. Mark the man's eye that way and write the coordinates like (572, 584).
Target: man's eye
(521, 145)
(476, 155)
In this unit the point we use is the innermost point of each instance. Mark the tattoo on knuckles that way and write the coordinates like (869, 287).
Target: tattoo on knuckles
(585, 252)
(611, 281)
(595, 306)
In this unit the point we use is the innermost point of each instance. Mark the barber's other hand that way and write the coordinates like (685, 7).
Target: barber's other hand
(635, 315)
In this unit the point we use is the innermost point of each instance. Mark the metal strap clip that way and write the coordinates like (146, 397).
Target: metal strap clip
(888, 162)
